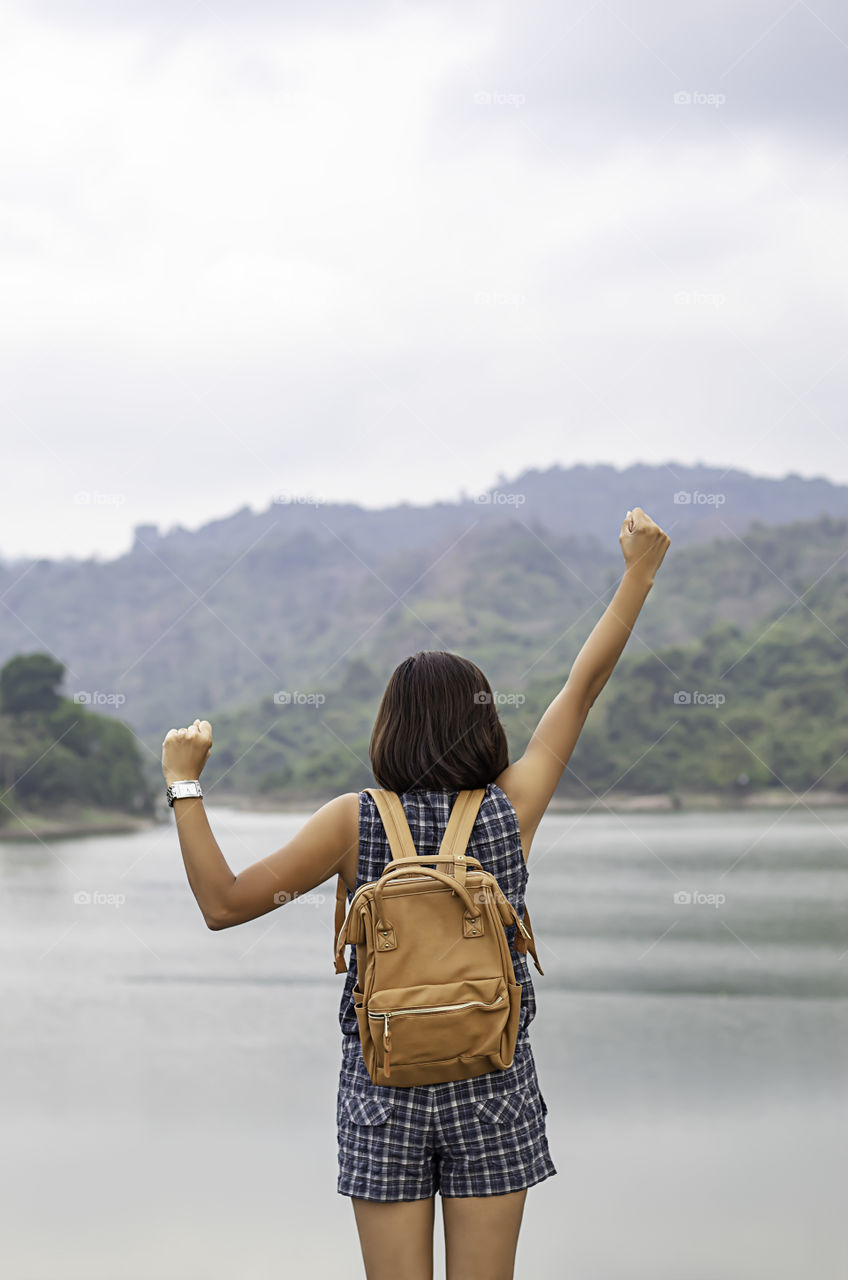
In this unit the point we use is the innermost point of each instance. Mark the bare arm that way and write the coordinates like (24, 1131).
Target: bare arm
(532, 780)
(318, 850)
(314, 854)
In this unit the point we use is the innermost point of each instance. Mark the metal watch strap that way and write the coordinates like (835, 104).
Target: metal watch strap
(182, 789)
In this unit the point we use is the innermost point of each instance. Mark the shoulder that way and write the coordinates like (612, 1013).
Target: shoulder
(344, 809)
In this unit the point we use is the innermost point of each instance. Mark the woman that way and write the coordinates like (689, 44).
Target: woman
(480, 1142)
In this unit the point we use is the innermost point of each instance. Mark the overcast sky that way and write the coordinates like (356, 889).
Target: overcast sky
(376, 252)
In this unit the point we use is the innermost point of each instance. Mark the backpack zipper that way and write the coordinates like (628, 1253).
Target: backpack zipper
(438, 1008)
(433, 1008)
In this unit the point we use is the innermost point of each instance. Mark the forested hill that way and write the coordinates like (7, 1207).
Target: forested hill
(744, 708)
(326, 600)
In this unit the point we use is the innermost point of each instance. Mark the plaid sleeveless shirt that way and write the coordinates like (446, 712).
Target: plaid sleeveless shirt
(495, 842)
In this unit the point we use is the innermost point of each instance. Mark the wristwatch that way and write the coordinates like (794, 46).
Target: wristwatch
(180, 790)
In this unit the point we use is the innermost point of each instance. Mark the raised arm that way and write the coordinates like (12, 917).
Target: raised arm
(327, 843)
(532, 780)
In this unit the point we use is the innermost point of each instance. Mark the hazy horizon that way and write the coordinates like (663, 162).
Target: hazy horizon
(317, 500)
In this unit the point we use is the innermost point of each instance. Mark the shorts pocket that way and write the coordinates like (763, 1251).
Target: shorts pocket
(506, 1108)
(366, 1111)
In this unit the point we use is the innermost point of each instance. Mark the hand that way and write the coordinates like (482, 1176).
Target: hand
(643, 544)
(185, 751)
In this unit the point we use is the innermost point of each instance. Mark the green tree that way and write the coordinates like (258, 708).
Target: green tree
(29, 682)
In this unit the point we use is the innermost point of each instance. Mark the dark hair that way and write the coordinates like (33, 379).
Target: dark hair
(437, 727)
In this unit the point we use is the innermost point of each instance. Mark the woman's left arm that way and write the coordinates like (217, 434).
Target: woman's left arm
(314, 854)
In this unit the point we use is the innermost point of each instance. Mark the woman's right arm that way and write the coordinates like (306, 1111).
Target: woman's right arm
(532, 780)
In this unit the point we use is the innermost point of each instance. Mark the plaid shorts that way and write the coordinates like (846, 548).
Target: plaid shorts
(479, 1137)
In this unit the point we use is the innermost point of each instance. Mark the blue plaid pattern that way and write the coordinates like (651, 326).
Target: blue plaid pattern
(478, 1137)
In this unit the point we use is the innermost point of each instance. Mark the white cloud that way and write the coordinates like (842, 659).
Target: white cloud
(271, 251)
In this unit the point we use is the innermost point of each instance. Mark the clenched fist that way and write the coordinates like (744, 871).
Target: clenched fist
(185, 751)
(643, 543)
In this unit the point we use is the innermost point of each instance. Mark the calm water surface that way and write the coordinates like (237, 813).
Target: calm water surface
(168, 1093)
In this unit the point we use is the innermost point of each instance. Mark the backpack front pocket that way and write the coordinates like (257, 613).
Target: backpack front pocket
(411, 1025)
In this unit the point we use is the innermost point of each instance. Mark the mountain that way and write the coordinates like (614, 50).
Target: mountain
(321, 599)
(582, 502)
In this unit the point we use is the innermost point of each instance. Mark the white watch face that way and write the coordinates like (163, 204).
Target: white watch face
(182, 789)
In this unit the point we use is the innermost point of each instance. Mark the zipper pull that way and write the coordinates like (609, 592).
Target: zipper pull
(387, 1044)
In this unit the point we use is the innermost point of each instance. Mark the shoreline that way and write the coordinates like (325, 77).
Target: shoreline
(680, 802)
(70, 826)
(92, 822)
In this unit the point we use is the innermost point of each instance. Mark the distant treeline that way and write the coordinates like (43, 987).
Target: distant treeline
(55, 754)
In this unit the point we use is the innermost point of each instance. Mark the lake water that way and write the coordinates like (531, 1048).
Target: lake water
(168, 1093)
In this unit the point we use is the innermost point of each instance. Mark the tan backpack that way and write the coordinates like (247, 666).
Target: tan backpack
(436, 997)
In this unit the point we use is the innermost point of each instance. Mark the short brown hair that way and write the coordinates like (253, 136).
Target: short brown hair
(437, 727)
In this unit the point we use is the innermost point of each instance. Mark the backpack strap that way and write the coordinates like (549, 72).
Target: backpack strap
(401, 845)
(466, 806)
(394, 822)
(454, 842)
(339, 957)
(456, 835)
(525, 940)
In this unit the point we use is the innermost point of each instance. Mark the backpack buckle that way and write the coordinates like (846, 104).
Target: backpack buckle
(384, 937)
(472, 926)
